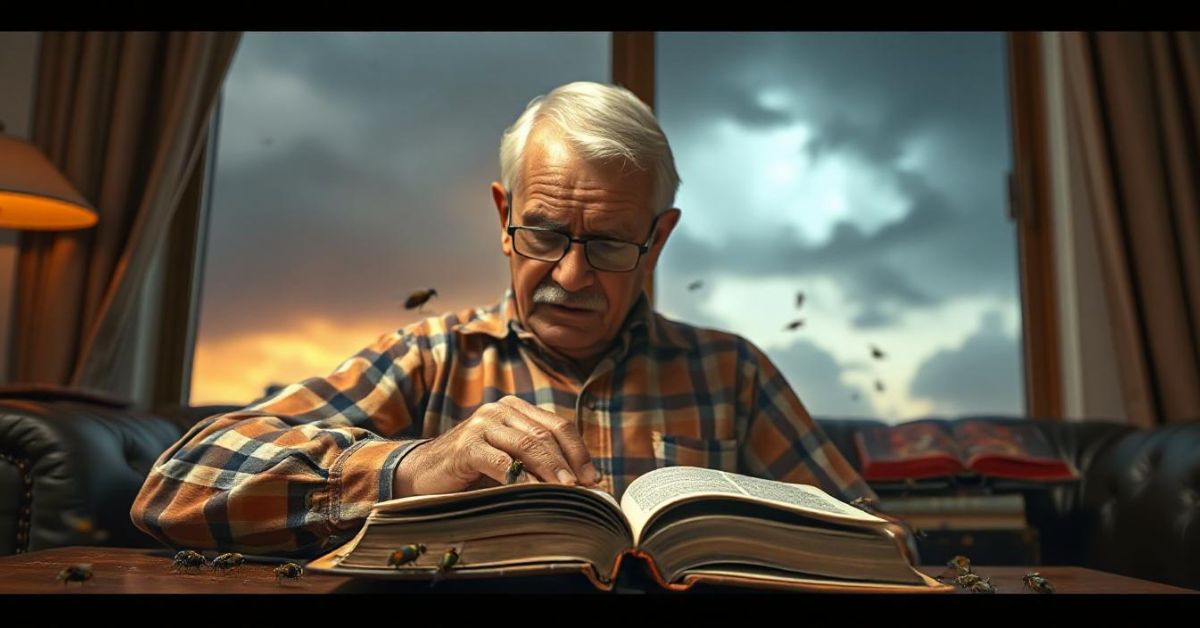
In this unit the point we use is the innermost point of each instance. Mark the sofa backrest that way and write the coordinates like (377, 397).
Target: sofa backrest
(1135, 512)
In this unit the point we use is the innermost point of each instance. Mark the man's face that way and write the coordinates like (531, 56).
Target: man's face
(573, 308)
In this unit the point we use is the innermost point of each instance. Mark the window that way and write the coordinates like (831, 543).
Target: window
(352, 169)
(867, 172)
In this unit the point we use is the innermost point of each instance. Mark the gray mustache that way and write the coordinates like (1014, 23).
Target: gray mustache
(556, 295)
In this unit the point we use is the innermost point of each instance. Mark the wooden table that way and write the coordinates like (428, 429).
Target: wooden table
(149, 571)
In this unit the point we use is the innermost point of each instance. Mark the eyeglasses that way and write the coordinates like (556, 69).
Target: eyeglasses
(604, 254)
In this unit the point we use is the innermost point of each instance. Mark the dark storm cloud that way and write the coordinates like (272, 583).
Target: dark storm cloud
(324, 235)
(930, 255)
(752, 114)
(815, 377)
(874, 316)
(864, 96)
(883, 283)
(880, 146)
(981, 377)
(686, 306)
(385, 189)
(437, 91)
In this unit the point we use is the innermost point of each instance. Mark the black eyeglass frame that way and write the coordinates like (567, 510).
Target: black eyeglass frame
(642, 248)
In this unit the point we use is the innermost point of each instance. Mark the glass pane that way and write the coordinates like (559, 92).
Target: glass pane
(352, 170)
(868, 173)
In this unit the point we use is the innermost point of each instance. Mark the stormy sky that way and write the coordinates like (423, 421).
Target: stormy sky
(866, 170)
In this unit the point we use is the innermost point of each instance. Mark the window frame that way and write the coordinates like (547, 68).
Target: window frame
(1030, 207)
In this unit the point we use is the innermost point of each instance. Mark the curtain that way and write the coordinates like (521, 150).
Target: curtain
(124, 116)
(1133, 100)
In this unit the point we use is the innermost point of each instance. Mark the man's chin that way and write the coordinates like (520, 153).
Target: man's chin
(564, 336)
(568, 316)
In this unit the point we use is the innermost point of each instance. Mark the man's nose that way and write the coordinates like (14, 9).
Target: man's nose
(573, 271)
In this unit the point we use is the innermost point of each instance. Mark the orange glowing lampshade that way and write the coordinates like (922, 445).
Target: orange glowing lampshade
(34, 194)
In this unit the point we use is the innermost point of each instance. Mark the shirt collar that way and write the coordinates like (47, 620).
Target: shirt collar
(500, 320)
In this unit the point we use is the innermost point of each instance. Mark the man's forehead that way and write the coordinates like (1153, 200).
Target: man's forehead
(559, 187)
(613, 222)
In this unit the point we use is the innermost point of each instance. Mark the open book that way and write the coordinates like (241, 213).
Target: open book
(689, 524)
(935, 448)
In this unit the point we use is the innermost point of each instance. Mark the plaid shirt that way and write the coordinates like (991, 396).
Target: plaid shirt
(307, 463)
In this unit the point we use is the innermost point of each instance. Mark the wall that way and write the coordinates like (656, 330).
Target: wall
(18, 65)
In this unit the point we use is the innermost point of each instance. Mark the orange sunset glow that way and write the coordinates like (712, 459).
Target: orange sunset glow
(236, 370)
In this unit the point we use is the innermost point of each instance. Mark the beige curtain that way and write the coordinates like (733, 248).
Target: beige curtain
(124, 116)
(1134, 102)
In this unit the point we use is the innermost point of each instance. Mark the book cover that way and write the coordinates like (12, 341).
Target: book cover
(933, 449)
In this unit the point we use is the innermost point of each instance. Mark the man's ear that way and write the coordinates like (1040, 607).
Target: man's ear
(666, 224)
(500, 198)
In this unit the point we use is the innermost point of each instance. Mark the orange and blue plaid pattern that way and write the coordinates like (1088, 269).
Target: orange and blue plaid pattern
(285, 474)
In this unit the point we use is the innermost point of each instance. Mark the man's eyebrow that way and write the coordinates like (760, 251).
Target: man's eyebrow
(535, 217)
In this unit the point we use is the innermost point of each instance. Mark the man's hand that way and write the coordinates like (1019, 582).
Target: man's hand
(479, 451)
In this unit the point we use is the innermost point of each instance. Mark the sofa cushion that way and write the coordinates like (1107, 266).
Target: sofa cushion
(1144, 496)
(84, 462)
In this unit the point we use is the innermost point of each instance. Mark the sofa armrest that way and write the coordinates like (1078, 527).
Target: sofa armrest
(1141, 504)
(64, 461)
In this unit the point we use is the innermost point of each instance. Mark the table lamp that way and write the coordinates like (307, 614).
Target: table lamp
(34, 194)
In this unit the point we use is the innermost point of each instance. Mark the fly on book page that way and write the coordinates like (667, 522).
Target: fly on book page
(685, 525)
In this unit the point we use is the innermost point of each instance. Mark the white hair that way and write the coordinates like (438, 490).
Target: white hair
(600, 122)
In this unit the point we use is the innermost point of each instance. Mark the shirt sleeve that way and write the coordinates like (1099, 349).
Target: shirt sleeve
(284, 475)
(781, 441)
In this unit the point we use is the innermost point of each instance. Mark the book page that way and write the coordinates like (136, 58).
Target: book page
(917, 449)
(661, 488)
(402, 504)
(802, 495)
(608, 498)
(1011, 449)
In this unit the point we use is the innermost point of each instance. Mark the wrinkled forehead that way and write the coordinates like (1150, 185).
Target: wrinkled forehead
(558, 182)
(596, 219)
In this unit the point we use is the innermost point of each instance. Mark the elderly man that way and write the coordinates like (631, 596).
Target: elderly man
(571, 373)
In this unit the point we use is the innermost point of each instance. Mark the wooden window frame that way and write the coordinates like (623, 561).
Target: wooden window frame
(633, 69)
(1030, 197)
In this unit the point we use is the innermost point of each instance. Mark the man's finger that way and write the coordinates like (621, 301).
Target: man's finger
(565, 434)
(539, 431)
(493, 463)
(545, 463)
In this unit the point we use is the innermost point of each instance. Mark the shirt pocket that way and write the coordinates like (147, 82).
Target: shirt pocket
(673, 450)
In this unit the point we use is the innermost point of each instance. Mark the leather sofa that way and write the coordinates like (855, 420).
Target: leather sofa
(67, 459)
